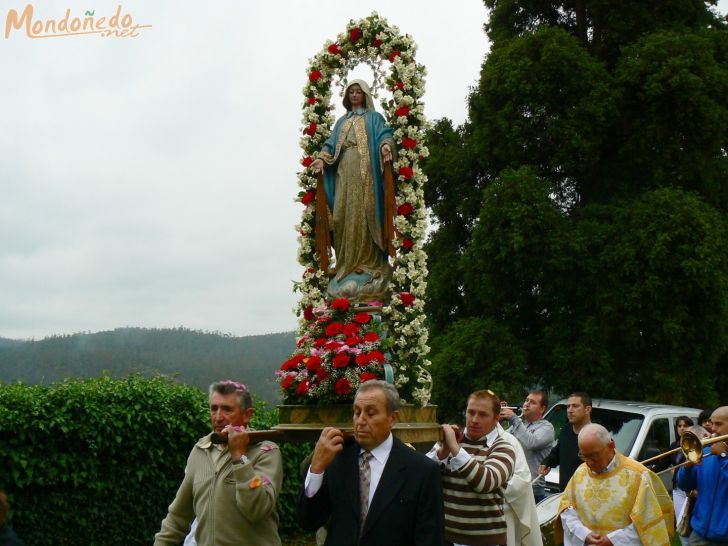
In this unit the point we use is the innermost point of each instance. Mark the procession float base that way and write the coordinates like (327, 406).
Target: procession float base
(304, 423)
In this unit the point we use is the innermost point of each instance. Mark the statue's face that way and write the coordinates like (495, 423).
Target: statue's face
(356, 96)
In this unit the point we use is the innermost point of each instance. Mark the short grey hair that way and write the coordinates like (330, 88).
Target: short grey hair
(245, 401)
(596, 430)
(390, 393)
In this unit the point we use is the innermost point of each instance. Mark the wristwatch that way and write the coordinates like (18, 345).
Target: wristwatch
(242, 460)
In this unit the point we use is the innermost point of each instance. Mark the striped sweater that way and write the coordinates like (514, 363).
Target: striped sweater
(473, 494)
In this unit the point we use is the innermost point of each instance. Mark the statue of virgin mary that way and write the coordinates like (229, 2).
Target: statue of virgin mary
(352, 160)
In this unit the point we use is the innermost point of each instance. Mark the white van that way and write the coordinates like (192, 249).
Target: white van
(640, 429)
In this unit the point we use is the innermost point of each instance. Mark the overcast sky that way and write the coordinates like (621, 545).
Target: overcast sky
(150, 181)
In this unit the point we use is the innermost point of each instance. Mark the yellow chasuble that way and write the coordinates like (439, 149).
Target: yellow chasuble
(629, 493)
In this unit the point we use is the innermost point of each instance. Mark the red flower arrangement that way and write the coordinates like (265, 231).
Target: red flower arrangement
(311, 129)
(355, 34)
(308, 197)
(406, 172)
(409, 143)
(405, 209)
(334, 49)
(402, 111)
(341, 348)
(315, 75)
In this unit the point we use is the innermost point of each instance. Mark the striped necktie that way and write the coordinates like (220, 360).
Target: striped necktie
(365, 479)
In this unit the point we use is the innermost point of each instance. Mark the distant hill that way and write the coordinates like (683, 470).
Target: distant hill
(193, 357)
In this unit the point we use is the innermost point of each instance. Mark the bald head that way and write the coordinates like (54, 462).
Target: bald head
(596, 447)
(720, 421)
(596, 432)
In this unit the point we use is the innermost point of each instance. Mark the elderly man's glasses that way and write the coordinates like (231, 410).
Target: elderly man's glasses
(591, 456)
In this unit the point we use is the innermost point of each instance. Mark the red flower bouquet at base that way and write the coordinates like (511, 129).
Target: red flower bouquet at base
(341, 348)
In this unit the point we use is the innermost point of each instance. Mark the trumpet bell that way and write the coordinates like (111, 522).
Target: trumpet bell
(692, 447)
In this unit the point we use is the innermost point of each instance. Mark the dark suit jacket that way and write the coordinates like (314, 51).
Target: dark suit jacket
(406, 510)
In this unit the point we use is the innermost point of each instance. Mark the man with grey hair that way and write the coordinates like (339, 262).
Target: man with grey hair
(231, 485)
(374, 490)
(612, 499)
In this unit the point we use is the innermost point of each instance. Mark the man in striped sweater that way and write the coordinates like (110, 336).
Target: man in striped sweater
(476, 466)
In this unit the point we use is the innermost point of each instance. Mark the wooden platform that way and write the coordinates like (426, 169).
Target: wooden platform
(304, 423)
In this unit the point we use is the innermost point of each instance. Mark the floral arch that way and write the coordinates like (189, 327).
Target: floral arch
(391, 57)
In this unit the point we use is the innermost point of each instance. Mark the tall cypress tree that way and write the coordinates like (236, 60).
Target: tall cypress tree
(581, 237)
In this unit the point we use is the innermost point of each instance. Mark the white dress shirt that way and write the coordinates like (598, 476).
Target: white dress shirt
(380, 454)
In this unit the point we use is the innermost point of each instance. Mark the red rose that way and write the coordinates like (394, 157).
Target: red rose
(350, 329)
(407, 244)
(340, 304)
(362, 359)
(333, 345)
(292, 362)
(376, 42)
(308, 311)
(362, 318)
(303, 387)
(334, 328)
(313, 362)
(310, 130)
(334, 49)
(320, 342)
(399, 85)
(405, 209)
(307, 161)
(402, 111)
(288, 380)
(314, 75)
(406, 172)
(355, 34)
(394, 55)
(343, 386)
(352, 341)
(407, 298)
(341, 360)
(371, 337)
(321, 374)
(367, 376)
(408, 143)
(376, 356)
(308, 197)
(312, 100)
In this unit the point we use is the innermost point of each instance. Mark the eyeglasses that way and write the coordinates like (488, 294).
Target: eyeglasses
(591, 456)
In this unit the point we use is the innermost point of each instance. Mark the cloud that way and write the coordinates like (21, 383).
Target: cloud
(150, 181)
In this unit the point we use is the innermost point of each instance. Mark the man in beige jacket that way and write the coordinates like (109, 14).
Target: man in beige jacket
(231, 486)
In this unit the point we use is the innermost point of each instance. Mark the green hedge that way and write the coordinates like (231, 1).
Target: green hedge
(96, 462)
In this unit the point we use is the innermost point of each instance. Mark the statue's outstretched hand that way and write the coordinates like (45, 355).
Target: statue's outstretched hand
(317, 165)
(386, 153)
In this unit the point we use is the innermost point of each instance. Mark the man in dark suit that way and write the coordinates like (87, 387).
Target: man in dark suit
(375, 491)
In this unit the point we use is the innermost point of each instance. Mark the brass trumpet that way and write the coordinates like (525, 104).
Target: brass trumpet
(691, 446)
(518, 410)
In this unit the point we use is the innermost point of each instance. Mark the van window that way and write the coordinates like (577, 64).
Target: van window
(658, 436)
(622, 425)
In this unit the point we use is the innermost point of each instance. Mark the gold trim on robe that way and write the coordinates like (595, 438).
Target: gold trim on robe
(629, 493)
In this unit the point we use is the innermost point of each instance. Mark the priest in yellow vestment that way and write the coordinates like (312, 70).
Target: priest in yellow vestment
(612, 499)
